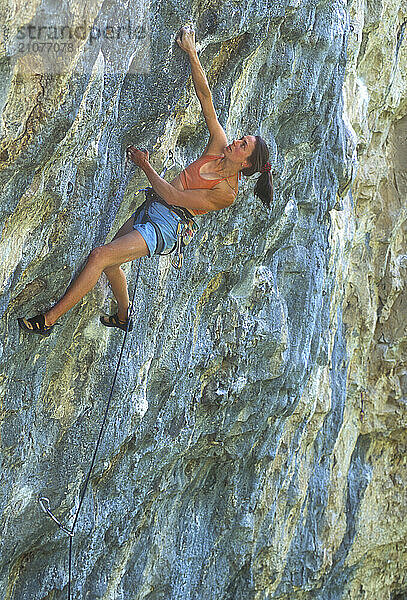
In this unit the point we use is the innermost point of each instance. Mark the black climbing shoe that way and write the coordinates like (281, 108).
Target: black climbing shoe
(114, 321)
(35, 325)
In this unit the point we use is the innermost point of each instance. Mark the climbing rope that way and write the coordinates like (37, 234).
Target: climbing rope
(101, 432)
(43, 501)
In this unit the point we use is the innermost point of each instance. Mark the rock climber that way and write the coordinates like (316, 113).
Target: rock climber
(208, 184)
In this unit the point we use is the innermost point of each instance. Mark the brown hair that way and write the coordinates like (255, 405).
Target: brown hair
(264, 184)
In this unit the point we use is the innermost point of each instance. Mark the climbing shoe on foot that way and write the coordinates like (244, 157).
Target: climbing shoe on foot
(114, 321)
(35, 325)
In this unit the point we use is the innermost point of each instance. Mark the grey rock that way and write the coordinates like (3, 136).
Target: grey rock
(234, 464)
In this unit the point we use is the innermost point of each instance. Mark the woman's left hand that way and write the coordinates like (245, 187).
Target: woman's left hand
(185, 39)
(139, 157)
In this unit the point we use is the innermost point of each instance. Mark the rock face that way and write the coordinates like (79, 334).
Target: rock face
(256, 442)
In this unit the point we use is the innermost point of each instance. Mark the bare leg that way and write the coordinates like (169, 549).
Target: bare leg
(120, 250)
(117, 278)
(118, 283)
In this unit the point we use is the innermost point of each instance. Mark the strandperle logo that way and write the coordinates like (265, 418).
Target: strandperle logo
(93, 33)
(55, 42)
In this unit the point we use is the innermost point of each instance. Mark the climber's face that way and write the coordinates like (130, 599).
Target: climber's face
(240, 150)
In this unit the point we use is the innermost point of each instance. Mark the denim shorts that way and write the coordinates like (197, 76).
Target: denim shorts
(167, 222)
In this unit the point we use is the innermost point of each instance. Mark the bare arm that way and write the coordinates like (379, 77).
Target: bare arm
(186, 40)
(202, 199)
(198, 76)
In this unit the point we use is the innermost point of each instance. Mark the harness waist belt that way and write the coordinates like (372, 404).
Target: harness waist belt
(183, 213)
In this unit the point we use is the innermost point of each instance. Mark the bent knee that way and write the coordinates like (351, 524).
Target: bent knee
(99, 255)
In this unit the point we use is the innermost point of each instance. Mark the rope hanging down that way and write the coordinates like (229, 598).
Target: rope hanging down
(44, 501)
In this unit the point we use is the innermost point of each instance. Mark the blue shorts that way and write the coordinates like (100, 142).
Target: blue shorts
(167, 222)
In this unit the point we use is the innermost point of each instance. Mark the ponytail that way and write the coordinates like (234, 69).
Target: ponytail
(259, 161)
(264, 188)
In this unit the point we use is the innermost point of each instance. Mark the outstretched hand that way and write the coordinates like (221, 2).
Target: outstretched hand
(185, 39)
(139, 157)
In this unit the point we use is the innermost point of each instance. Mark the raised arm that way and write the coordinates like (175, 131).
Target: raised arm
(186, 40)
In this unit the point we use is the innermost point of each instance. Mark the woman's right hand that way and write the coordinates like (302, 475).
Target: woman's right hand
(186, 39)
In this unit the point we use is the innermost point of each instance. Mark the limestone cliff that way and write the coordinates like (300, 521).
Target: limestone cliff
(256, 444)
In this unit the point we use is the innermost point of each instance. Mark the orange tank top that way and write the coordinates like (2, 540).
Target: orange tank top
(192, 180)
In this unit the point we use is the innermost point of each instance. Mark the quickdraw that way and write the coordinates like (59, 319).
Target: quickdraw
(185, 233)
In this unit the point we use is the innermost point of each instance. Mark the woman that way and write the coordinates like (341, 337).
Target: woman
(208, 184)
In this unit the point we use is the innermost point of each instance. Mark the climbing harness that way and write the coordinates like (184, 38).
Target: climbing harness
(186, 228)
(185, 231)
